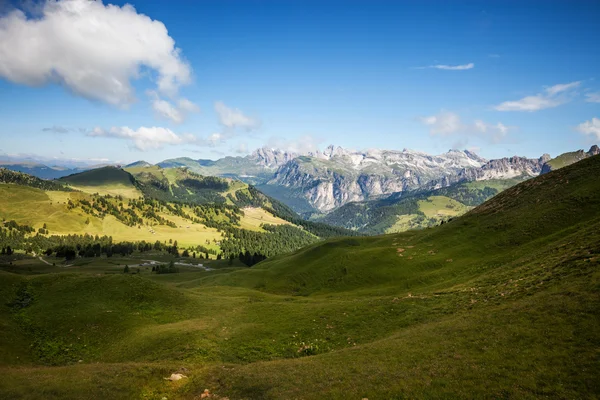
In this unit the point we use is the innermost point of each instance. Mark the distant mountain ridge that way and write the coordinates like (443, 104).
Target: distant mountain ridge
(322, 181)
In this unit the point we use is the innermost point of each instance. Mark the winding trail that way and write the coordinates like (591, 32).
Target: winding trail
(44, 261)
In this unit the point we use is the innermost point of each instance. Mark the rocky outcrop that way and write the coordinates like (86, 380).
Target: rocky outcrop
(271, 158)
(503, 168)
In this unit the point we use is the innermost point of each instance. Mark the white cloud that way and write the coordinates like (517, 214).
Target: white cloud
(592, 97)
(241, 148)
(215, 139)
(91, 48)
(145, 138)
(186, 105)
(591, 128)
(462, 67)
(233, 118)
(454, 67)
(447, 123)
(562, 87)
(444, 123)
(303, 145)
(167, 110)
(57, 129)
(552, 96)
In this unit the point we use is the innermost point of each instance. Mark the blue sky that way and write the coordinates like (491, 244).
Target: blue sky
(212, 78)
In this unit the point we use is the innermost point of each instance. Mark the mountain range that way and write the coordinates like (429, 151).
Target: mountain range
(317, 183)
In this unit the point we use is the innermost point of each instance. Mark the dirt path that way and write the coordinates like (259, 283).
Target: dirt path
(44, 261)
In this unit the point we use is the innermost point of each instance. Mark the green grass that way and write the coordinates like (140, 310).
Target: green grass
(35, 207)
(503, 302)
(441, 206)
(566, 159)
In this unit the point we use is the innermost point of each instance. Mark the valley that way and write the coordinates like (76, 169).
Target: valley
(500, 302)
(337, 182)
(299, 200)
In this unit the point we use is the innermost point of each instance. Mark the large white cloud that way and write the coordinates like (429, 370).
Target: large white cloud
(552, 96)
(591, 128)
(91, 48)
(145, 138)
(447, 123)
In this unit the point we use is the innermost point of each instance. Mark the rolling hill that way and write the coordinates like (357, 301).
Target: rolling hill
(502, 302)
(216, 217)
(105, 180)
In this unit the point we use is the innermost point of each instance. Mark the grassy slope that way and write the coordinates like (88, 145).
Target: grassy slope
(501, 303)
(106, 180)
(566, 159)
(36, 207)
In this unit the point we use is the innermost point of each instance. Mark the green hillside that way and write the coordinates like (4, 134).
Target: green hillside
(213, 217)
(399, 213)
(503, 302)
(100, 177)
(569, 158)
(105, 180)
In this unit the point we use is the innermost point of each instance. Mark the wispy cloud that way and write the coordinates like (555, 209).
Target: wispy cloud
(145, 138)
(592, 97)
(232, 118)
(462, 67)
(93, 49)
(552, 96)
(240, 148)
(590, 128)
(167, 110)
(447, 123)
(302, 145)
(57, 129)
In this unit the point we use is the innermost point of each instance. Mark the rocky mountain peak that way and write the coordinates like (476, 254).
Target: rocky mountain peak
(594, 150)
(272, 158)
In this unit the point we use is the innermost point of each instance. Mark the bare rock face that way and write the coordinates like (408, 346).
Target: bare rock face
(337, 176)
(271, 158)
(503, 168)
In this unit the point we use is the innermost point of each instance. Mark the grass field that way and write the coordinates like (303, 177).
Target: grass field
(403, 223)
(441, 206)
(503, 302)
(254, 217)
(129, 192)
(36, 207)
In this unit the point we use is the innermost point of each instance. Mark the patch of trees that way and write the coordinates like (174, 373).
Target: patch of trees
(13, 225)
(194, 189)
(250, 259)
(277, 239)
(19, 178)
(165, 269)
(199, 182)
